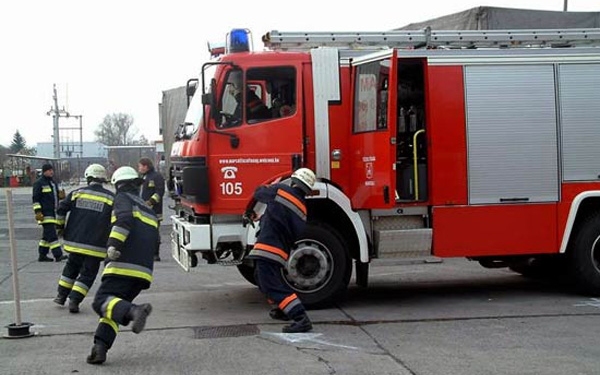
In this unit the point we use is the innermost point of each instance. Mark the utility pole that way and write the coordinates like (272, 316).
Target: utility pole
(566, 5)
(56, 114)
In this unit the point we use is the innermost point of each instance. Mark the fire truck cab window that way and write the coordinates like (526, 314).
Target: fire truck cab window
(270, 93)
(370, 97)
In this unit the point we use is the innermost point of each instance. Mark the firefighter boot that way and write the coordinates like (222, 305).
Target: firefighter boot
(73, 306)
(277, 314)
(44, 258)
(60, 300)
(98, 355)
(301, 323)
(138, 314)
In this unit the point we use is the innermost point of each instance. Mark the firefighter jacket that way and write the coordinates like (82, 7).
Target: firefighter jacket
(86, 231)
(45, 199)
(281, 224)
(153, 190)
(134, 233)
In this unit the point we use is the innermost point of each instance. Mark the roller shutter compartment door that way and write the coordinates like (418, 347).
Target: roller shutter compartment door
(512, 134)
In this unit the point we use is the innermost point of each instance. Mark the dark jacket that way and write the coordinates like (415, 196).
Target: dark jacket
(86, 231)
(153, 189)
(45, 198)
(282, 223)
(134, 233)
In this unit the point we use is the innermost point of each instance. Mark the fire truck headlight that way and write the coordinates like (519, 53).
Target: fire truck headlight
(238, 40)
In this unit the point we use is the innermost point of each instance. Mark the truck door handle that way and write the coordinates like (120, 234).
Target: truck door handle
(514, 199)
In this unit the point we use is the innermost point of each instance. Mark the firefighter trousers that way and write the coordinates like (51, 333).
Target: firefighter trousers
(78, 275)
(112, 303)
(270, 282)
(49, 242)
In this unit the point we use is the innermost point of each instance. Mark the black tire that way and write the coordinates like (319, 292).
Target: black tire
(319, 266)
(584, 256)
(247, 272)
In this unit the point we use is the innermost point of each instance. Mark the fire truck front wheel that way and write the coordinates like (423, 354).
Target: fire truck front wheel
(585, 256)
(319, 268)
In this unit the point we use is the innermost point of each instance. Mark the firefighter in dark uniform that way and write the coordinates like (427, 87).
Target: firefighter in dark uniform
(282, 223)
(84, 236)
(152, 192)
(46, 195)
(129, 263)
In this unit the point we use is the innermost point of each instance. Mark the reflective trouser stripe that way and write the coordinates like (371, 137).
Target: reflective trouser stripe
(43, 243)
(289, 303)
(80, 288)
(65, 284)
(111, 323)
(54, 244)
(107, 307)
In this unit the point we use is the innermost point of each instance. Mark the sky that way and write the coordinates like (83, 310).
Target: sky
(119, 55)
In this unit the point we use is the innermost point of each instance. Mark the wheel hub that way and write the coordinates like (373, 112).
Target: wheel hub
(310, 266)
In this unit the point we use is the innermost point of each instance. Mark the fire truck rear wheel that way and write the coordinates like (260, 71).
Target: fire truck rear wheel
(319, 268)
(585, 256)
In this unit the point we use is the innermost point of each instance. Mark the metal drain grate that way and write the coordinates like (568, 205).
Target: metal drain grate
(225, 331)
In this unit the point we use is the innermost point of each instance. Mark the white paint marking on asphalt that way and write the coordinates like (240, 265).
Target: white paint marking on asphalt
(593, 302)
(27, 301)
(294, 338)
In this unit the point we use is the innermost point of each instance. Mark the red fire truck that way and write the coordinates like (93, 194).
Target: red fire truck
(476, 144)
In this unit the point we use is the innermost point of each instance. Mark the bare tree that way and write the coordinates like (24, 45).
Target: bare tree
(116, 129)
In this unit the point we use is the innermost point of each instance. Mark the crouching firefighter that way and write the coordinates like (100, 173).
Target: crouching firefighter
(281, 225)
(84, 236)
(129, 263)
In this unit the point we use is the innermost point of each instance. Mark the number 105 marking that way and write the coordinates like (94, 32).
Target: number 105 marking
(231, 188)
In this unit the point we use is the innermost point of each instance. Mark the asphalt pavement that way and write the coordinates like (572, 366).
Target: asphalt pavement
(453, 317)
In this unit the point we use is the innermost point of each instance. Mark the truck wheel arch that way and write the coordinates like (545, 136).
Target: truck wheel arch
(581, 206)
(332, 202)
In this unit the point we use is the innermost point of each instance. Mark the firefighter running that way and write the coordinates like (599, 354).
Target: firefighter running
(46, 195)
(129, 264)
(84, 236)
(280, 226)
(152, 191)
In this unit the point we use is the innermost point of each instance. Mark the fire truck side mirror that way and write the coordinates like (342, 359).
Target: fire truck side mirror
(191, 86)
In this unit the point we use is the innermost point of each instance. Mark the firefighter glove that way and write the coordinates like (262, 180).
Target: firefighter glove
(60, 230)
(39, 216)
(248, 218)
(149, 203)
(61, 194)
(113, 253)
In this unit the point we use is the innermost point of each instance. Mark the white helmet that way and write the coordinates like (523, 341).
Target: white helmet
(95, 171)
(304, 178)
(124, 174)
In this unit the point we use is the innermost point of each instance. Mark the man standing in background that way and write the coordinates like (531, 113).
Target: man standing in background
(152, 192)
(46, 195)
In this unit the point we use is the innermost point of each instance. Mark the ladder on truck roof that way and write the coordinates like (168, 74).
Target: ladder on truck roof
(427, 38)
